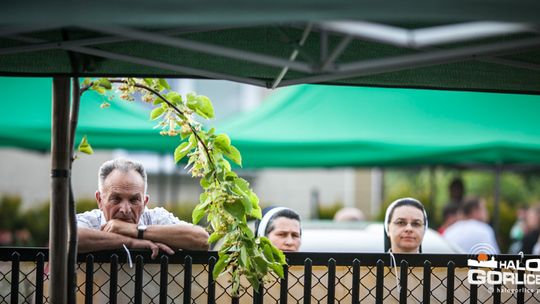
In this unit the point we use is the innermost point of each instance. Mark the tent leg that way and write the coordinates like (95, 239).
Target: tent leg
(60, 159)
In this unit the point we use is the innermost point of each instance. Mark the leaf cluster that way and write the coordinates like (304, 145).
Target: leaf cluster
(227, 199)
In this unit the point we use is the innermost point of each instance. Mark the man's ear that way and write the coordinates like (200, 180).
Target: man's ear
(99, 199)
(146, 199)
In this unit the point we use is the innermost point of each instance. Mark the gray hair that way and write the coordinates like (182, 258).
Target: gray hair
(122, 164)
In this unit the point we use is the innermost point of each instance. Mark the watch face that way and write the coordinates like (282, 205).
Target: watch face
(141, 227)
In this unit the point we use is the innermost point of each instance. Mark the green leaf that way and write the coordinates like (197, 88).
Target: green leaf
(254, 281)
(205, 107)
(278, 269)
(202, 197)
(260, 265)
(149, 81)
(244, 257)
(174, 97)
(245, 229)
(158, 101)
(278, 255)
(198, 213)
(156, 113)
(84, 146)
(162, 82)
(184, 135)
(223, 142)
(256, 212)
(204, 183)
(181, 151)
(104, 82)
(235, 209)
(268, 254)
(200, 105)
(193, 140)
(86, 82)
(220, 265)
(215, 236)
(100, 90)
(234, 155)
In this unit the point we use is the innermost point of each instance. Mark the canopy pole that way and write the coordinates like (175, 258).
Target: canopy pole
(72, 249)
(60, 159)
(497, 199)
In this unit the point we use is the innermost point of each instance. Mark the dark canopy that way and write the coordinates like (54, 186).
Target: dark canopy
(310, 126)
(415, 44)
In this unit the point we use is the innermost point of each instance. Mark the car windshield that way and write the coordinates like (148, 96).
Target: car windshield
(330, 236)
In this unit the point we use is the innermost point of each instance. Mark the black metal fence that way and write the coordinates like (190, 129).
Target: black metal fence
(106, 277)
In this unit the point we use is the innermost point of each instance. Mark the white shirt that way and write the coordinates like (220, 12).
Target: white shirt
(94, 219)
(472, 234)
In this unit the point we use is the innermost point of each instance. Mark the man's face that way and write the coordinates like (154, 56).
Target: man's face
(122, 196)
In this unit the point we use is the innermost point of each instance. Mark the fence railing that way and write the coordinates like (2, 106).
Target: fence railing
(106, 277)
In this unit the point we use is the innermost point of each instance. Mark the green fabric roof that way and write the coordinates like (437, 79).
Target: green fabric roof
(252, 41)
(305, 126)
(26, 122)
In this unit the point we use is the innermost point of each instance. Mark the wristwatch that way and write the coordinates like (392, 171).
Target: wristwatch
(140, 231)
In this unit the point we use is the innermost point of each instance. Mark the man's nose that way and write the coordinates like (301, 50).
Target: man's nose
(124, 207)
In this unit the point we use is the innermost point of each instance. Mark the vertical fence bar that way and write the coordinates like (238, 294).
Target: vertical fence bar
(89, 280)
(137, 297)
(473, 297)
(331, 281)
(163, 279)
(404, 273)
(40, 274)
(497, 292)
(284, 286)
(355, 282)
(15, 265)
(426, 287)
(379, 282)
(258, 294)
(450, 283)
(521, 288)
(211, 282)
(307, 281)
(113, 280)
(188, 262)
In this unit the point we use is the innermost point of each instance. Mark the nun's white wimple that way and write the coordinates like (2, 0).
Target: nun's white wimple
(266, 219)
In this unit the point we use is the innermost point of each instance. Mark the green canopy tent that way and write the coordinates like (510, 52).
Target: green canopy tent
(488, 45)
(307, 126)
(27, 119)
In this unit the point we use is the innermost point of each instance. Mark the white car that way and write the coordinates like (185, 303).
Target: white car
(330, 236)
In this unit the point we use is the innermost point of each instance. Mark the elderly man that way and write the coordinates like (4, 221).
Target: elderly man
(124, 219)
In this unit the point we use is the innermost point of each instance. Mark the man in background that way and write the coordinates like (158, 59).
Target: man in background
(473, 229)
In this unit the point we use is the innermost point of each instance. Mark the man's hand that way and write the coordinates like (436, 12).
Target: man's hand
(155, 247)
(120, 227)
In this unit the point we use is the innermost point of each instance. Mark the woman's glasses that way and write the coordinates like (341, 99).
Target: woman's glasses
(404, 223)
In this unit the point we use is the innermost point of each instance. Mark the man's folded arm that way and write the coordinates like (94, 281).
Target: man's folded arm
(179, 236)
(95, 240)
